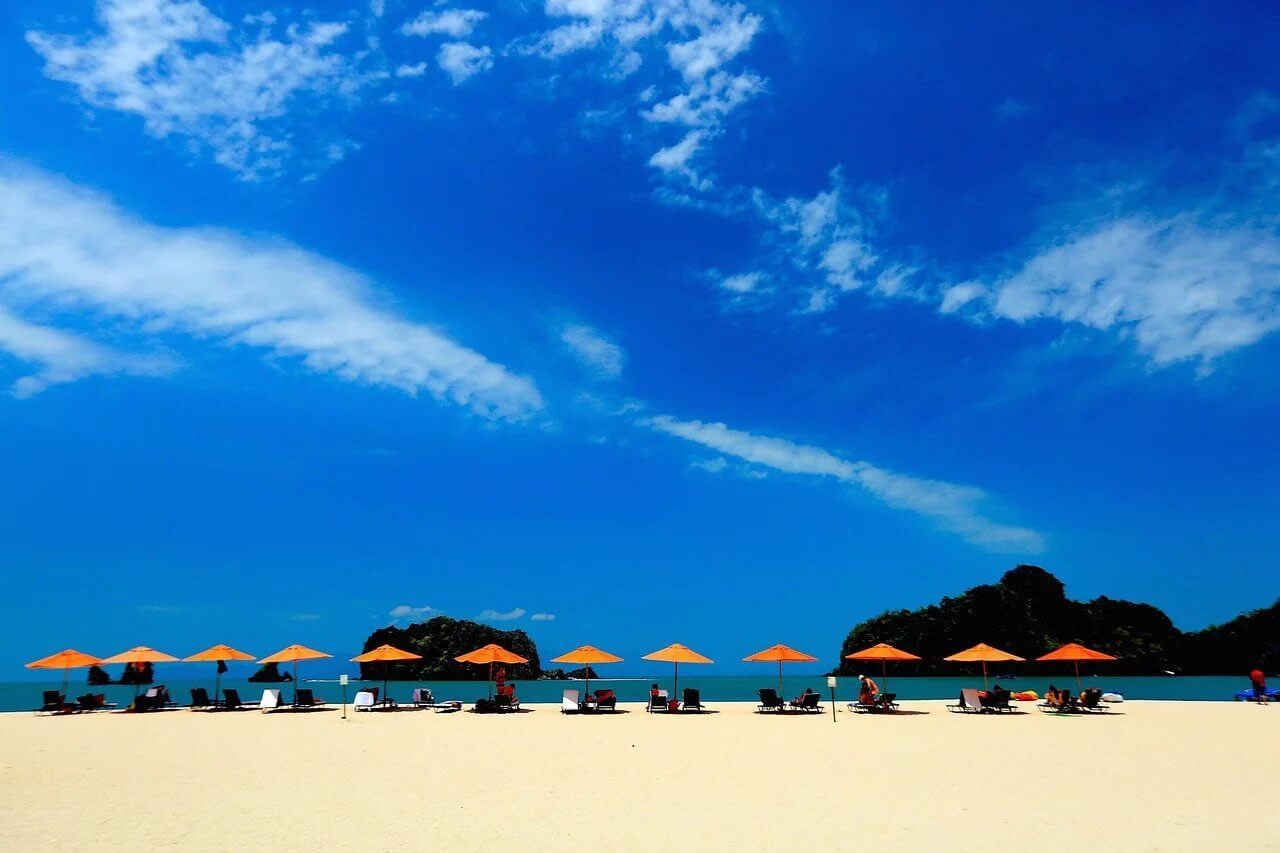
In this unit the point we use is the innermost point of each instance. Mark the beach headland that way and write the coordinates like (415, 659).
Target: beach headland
(1152, 776)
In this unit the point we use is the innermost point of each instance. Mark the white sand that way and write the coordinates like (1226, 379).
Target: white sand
(1157, 776)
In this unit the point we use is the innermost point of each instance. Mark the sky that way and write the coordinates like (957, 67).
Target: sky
(627, 322)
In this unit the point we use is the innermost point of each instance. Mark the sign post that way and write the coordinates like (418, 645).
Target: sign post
(831, 682)
(342, 679)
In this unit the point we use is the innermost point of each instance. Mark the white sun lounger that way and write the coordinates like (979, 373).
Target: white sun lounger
(364, 701)
(569, 704)
(270, 700)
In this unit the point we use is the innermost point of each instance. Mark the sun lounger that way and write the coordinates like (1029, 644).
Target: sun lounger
(606, 701)
(506, 702)
(659, 702)
(55, 703)
(271, 700)
(200, 700)
(1090, 702)
(807, 702)
(770, 700)
(569, 702)
(692, 699)
(156, 698)
(90, 702)
(305, 700)
(422, 698)
(996, 701)
(883, 703)
(364, 701)
(968, 703)
(231, 701)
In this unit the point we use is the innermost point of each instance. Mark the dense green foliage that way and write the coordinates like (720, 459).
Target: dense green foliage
(1028, 613)
(439, 641)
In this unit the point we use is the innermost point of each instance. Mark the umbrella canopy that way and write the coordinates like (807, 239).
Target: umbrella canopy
(884, 653)
(585, 656)
(781, 654)
(218, 654)
(984, 654)
(1075, 653)
(293, 654)
(137, 655)
(677, 653)
(65, 660)
(385, 654)
(491, 654)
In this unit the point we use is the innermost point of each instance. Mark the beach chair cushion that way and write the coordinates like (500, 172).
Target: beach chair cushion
(364, 700)
(569, 702)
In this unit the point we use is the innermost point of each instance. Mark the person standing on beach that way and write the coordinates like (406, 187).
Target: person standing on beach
(868, 690)
(1258, 679)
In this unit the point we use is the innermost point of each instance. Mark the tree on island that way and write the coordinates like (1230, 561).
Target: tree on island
(270, 674)
(441, 639)
(98, 676)
(140, 673)
(1028, 613)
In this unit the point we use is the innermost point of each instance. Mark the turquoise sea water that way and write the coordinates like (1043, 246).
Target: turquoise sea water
(25, 695)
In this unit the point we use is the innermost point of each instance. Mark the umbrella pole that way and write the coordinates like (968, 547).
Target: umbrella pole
(780, 691)
(386, 676)
(884, 673)
(675, 684)
(490, 679)
(66, 672)
(217, 684)
(295, 682)
(984, 675)
(1077, 666)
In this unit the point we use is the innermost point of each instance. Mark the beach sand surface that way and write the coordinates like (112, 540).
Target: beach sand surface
(1152, 776)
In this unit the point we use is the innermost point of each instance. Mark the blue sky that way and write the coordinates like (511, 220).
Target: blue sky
(655, 320)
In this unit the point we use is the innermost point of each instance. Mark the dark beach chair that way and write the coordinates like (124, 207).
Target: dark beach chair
(968, 703)
(807, 702)
(692, 699)
(883, 704)
(304, 699)
(658, 702)
(770, 700)
(506, 702)
(605, 699)
(996, 701)
(94, 702)
(422, 698)
(1090, 702)
(200, 699)
(54, 702)
(231, 701)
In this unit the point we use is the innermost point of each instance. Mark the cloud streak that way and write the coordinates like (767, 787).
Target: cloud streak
(65, 247)
(954, 508)
(604, 358)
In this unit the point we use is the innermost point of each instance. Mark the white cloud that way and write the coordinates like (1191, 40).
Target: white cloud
(455, 23)
(543, 617)
(303, 617)
(674, 159)
(462, 61)
(60, 356)
(378, 8)
(1182, 290)
(412, 70)
(722, 36)
(594, 349)
(186, 73)
(495, 616)
(707, 102)
(950, 506)
(956, 297)
(742, 283)
(64, 247)
(405, 611)
(711, 466)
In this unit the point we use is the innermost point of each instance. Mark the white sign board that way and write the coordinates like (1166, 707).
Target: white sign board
(831, 681)
(343, 680)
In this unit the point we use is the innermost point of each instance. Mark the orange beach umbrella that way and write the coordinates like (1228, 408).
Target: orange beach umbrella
(676, 654)
(782, 654)
(491, 654)
(884, 653)
(219, 654)
(293, 654)
(137, 655)
(385, 655)
(984, 654)
(1074, 652)
(585, 656)
(65, 660)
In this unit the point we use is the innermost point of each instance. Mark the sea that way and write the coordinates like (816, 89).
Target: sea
(26, 695)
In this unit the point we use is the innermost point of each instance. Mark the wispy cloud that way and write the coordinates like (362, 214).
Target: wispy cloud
(188, 73)
(406, 611)
(496, 616)
(952, 507)
(455, 23)
(160, 608)
(63, 246)
(604, 358)
(303, 617)
(543, 617)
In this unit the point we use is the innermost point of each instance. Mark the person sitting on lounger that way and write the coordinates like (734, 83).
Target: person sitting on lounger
(799, 700)
(1258, 681)
(1055, 697)
(654, 692)
(868, 690)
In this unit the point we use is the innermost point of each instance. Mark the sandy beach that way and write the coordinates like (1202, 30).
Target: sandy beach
(1155, 776)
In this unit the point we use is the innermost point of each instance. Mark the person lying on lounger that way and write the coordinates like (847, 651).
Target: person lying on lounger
(1055, 697)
